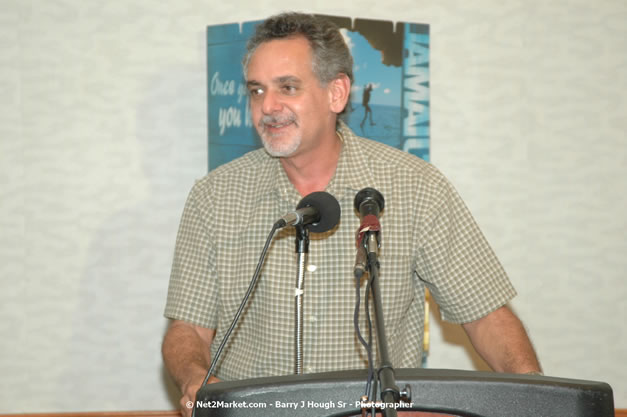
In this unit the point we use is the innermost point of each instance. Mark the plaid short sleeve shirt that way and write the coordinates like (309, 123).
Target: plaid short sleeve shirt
(428, 239)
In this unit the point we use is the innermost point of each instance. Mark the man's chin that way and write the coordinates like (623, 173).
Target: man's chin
(280, 150)
(278, 153)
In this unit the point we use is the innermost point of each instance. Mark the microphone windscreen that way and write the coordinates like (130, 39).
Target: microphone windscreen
(369, 195)
(327, 206)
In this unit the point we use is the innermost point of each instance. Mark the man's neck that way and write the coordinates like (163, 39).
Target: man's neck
(313, 170)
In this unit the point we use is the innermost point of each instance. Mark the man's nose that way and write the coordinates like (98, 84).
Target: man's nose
(271, 103)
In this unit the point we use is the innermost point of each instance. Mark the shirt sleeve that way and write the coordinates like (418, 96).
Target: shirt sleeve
(192, 293)
(457, 264)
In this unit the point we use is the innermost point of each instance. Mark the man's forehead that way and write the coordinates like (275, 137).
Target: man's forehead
(284, 57)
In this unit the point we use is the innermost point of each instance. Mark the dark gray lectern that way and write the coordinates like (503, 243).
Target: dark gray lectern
(461, 393)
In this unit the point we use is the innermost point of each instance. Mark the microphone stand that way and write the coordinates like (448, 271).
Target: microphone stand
(390, 394)
(302, 248)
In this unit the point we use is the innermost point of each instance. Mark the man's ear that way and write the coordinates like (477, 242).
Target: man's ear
(339, 92)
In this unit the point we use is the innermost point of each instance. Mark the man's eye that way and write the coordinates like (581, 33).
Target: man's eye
(289, 89)
(255, 91)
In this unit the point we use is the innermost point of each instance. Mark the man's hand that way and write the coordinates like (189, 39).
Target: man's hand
(187, 358)
(189, 391)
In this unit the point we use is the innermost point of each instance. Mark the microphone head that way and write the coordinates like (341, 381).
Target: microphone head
(370, 196)
(328, 208)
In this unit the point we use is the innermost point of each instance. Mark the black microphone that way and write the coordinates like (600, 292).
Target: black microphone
(319, 209)
(369, 203)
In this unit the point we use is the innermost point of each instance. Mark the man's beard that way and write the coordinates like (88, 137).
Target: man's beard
(278, 145)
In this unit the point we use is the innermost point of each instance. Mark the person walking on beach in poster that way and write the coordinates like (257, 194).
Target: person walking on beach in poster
(365, 100)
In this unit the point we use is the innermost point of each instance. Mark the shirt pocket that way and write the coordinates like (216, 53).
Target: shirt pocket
(397, 285)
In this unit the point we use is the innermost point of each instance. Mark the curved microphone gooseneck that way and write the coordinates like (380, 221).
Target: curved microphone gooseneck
(320, 212)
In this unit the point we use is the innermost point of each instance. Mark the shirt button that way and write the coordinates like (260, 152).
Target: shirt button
(310, 369)
(313, 319)
(311, 268)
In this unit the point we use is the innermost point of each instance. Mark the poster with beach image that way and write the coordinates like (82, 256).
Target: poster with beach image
(389, 98)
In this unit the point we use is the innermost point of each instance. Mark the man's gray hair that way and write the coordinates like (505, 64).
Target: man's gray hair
(331, 56)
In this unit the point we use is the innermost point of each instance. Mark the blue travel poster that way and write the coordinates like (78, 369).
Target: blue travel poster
(389, 97)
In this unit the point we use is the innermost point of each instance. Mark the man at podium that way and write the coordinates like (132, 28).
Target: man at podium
(298, 71)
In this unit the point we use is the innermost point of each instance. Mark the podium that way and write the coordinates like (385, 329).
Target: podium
(461, 393)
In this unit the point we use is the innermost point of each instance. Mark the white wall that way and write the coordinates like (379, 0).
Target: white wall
(103, 131)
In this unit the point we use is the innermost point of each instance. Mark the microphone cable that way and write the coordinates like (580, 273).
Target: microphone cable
(278, 225)
(371, 380)
(375, 377)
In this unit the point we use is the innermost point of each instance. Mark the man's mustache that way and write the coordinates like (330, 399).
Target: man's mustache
(273, 119)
